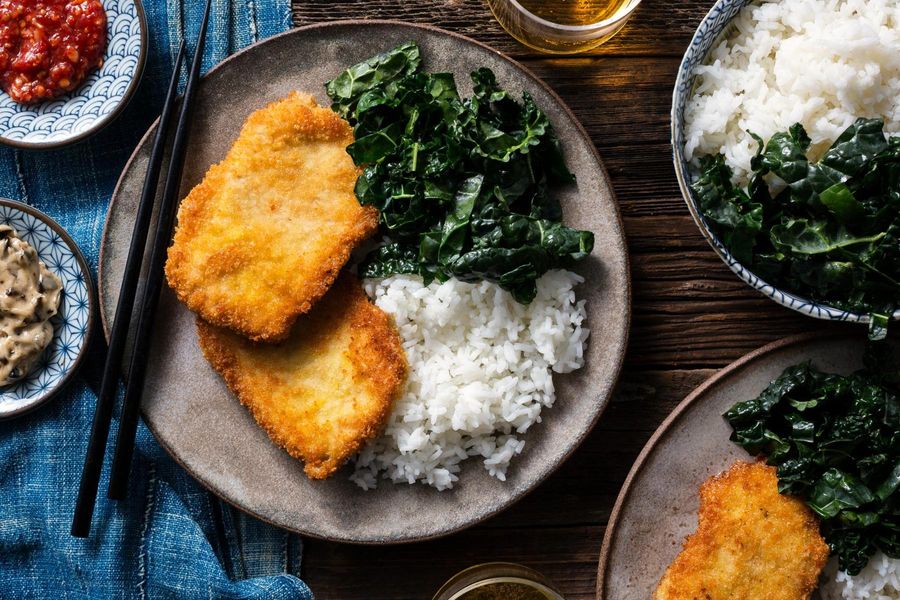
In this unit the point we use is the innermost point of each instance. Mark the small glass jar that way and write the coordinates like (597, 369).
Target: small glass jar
(498, 581)
(553, 37)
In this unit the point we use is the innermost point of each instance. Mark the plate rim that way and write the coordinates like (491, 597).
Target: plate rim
(666, 427)
(108, 118)
(93, 302)
(624, 334)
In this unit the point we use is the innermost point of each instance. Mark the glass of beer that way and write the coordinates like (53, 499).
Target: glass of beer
(562, 26)
(498, 581)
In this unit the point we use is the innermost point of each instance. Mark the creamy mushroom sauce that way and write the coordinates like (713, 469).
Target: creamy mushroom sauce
(29, 297)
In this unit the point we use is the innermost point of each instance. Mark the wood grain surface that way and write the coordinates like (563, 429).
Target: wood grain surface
(691, 314)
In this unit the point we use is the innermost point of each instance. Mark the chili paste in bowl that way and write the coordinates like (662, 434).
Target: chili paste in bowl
(47, 47)
(67, 67)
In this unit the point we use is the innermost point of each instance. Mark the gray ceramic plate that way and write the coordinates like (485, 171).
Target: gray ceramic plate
(658, 504)
(203, 426)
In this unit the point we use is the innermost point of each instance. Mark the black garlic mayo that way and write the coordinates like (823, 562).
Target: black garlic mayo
(29, 297)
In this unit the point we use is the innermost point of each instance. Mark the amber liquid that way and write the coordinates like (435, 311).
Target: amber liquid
(573, 12)
(568, 13)
(504, 591)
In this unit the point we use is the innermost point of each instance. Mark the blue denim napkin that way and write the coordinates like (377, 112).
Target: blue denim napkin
(170, 539)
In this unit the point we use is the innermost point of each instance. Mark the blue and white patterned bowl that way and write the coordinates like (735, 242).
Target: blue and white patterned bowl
(712, 28)
(71, 325)
(97, 100)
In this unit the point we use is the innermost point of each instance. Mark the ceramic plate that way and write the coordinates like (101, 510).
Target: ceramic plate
(97, 100)
(658, 504)
(204, 427)
(71, 325)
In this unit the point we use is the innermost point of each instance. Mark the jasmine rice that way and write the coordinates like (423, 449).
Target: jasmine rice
(480, 374)
(822, 63)
(879, 580)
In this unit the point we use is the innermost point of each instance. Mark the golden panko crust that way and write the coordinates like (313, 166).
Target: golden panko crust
(751, 543)
(266, 232)
(328, 388)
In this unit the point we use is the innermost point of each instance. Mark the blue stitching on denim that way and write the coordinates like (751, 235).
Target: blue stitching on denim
(296, 554)
(20, 176)
(143, 556)
(288, 19)
(97, 219)
(233, 539)
(254, 24)
(175, 17)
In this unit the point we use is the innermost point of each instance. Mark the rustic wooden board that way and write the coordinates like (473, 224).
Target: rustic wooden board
(691, 314)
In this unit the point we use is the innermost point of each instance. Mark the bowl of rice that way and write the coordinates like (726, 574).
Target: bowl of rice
(762, 65)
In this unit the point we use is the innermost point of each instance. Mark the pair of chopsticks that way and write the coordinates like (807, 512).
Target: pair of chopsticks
(121, 466)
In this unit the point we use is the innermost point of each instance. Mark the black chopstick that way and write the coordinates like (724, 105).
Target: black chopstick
(93, 464)
(93, 460)
(137, 370)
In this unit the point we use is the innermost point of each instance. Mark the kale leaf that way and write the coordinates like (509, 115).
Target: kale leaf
(463, 185)
(832, 234)
(835, 441)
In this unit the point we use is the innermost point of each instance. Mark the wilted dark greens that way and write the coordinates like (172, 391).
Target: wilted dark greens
(832, 234)
(835, 441)
(463, 186)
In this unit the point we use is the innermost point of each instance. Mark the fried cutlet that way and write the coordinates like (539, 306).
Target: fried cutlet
(266, 232)
(752, 543)
(327, 388)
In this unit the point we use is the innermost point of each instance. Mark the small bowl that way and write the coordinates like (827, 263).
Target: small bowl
(715, 25)
(100, 97)
(72, 324)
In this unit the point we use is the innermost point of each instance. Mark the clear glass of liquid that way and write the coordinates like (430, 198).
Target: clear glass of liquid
(562, 26)
(498, 581)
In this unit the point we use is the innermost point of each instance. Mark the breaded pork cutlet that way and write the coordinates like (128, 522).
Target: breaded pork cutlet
(752, 543)
(326, 389)
(266, 232)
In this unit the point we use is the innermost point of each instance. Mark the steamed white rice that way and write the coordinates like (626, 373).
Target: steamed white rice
(822, 63)
(879, 580)
(480, 373)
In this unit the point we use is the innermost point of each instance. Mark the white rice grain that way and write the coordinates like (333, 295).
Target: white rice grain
(879, 580)
(480, 374)
(822, 63)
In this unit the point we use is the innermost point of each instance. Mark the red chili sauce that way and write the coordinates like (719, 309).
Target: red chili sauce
(47, 47)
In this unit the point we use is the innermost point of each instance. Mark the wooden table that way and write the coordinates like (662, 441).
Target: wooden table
(691, 315)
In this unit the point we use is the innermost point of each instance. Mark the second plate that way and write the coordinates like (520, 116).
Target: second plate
(658, 504)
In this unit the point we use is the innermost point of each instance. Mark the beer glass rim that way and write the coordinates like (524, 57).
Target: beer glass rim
(620, 16)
